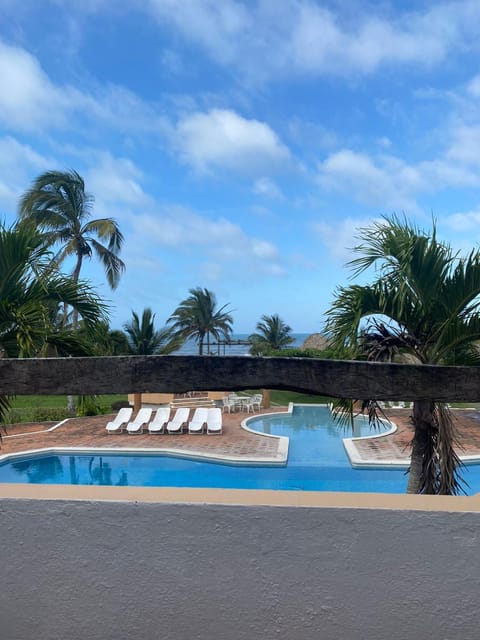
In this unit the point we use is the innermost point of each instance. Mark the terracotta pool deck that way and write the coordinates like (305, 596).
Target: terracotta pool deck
(234, 444)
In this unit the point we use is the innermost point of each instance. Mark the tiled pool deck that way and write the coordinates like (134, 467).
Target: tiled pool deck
(235, 443)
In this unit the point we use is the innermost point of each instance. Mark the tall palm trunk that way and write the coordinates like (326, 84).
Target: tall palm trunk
(75, 276)
(434, 461)
(422, 421)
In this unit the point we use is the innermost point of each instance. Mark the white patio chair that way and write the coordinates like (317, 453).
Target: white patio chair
(123, 416)
(257, 399)
(228, 404)
(141, 419)
(248, 405)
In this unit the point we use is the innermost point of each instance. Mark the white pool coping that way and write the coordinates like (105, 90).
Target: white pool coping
(359, 462)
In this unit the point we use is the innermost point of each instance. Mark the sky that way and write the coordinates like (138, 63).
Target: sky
(242, 144)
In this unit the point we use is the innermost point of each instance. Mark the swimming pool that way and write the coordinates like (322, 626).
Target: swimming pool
(316, 462)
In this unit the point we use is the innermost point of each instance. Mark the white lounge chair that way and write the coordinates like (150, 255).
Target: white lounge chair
(179, 419)
(214, 421)
(142, 418)
(159, 422)
(199, 419)
(122, 417)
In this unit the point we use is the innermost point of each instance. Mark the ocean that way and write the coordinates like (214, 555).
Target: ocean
(190, 348)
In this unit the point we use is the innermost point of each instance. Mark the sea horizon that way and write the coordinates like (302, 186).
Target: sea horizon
(191, 347)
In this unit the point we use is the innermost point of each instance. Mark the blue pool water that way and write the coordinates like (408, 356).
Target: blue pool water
(317, 462)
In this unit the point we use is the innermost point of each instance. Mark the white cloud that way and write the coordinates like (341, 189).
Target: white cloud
(267, 188)
(214, 242)
(222, 139)
(116, 180)
(464, 146)
(301, 35)
(214, 25)
(467, 222)
(28, 100)
(339, 237)
(388, 182)
(473, 87)
(321, 43)
(18, 162)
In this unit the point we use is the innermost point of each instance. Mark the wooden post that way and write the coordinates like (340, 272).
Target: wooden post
(137, 402)
(266, 398)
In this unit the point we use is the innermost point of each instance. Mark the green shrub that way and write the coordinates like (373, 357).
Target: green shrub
(120, 404)
(87, 406)
(298, 353)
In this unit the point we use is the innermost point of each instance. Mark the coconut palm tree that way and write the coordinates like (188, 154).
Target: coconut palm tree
(58, 205)
(422, 306)
(197, 317)
(144, 340)
(30, 295)
(272, 333)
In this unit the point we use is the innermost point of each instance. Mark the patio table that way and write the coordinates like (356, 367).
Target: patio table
(241, 401)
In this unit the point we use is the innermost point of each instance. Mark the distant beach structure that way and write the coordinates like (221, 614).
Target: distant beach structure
(315, 341)
(237, 347)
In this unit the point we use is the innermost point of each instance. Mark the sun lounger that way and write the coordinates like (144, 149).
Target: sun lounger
(142, 418)
(179, 420)
(159, 422)
(199, 419)
(214, 421)
(123, 416)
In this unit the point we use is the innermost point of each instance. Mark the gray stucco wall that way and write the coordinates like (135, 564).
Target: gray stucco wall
(115, 570)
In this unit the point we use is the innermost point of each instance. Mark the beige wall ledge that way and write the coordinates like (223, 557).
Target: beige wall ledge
(242, 497)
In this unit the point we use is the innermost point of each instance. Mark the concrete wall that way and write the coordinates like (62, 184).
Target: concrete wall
(116, 570)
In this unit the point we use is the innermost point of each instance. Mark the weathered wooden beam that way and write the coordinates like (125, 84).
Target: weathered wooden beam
(150, 374)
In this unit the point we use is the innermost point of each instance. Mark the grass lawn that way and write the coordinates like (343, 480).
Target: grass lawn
(46, 408)
(283, 398)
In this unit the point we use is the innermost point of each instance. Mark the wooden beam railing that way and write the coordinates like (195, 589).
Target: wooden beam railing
(176, 374)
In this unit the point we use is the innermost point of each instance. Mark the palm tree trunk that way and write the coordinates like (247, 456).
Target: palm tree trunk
(423, 423)
(75, 276)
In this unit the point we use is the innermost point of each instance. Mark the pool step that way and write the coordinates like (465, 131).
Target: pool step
(192, 403)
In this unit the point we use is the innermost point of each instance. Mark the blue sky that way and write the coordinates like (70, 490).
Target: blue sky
(241, 144)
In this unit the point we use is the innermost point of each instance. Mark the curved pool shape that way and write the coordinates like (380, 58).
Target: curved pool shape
(316, 462)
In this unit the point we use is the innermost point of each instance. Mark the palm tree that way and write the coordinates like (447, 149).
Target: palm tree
(272, 334)
(107, 341)
(144, 340)
(197, 317)
(58, 205)
(422, 307)
(30, 295)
